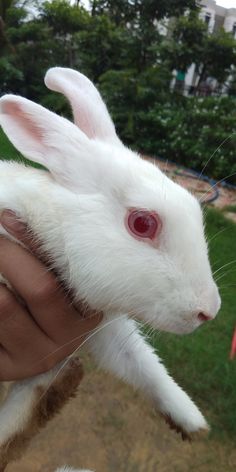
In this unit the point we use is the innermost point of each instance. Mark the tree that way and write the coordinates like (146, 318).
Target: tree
(217, 57)
(138, 11)
(140, 18)
(185, 43)
(119, 45)
(190, 42)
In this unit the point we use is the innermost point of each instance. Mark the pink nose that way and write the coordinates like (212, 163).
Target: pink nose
(204, 317)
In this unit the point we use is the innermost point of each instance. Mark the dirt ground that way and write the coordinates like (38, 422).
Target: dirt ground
(109, 428)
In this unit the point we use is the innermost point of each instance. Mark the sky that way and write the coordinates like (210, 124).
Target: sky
(226, 3)
(222, 3)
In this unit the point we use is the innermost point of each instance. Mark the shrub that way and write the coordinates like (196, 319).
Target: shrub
(189, 131)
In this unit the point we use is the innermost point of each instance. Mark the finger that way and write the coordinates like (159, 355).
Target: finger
(12, 223)
(11, 368)
(17, 228)
(7, 370)
(84, 330)
(41, 292)
(36, 285)
(17, 328)
(42, 357)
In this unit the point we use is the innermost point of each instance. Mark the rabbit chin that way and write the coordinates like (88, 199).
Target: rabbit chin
(176, 325)
(181, 329)
(176, 328)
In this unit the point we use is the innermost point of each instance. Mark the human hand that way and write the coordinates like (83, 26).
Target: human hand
(47, 327)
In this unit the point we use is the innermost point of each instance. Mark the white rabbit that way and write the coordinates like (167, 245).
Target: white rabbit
(121, 234)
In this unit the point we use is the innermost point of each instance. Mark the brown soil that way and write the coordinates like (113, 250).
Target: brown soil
(110, 428)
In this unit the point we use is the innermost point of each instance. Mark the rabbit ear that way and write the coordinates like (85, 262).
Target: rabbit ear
(89, 110)
(43, 136)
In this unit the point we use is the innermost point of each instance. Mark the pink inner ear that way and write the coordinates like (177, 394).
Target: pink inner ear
(24, 119)
(83, 116)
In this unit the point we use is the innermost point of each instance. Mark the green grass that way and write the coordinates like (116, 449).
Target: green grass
(230, 208)
(8, 152)
(200, 361)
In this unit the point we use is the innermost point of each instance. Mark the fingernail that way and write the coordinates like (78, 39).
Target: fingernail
(11, 222)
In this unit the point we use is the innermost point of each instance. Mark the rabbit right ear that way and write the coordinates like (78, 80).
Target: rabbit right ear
(75, 161)
(50, 140)
(89, 110)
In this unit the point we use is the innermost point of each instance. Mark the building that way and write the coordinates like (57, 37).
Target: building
(216, 17)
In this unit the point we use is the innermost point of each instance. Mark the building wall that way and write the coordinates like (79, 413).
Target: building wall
(230, 19)
(220, 16)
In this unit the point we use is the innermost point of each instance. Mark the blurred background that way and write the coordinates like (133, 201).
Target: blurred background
(167, 71)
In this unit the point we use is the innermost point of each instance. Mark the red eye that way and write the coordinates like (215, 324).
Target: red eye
(143, 223)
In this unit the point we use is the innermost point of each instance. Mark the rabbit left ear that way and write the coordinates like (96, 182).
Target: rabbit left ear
(89, 110)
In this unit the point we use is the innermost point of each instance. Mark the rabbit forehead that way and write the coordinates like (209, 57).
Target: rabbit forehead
(134, 182)
(149, 187)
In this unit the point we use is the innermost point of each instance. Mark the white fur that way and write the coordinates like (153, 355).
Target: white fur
(68, 469)
(78, 211)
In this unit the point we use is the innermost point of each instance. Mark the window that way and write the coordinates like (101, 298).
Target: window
(234, 30)
(207, 18)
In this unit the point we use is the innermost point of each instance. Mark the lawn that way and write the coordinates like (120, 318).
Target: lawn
(7, 151)
(200, 361)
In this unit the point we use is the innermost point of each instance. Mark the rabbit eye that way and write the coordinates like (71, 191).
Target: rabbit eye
(143, 224)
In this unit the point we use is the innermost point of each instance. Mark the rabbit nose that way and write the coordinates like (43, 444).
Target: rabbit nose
(210, 304)
(204, 316)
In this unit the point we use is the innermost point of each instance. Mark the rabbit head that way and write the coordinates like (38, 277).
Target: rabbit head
(137, 237)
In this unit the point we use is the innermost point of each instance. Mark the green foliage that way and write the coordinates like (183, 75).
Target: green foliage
(214, 54)
(63, 17)
(7, 151)
(200, 361)
(131, 98)
(10, 74)
(185, 130)
(218, 56)
(138, 11)
(196, 129)
(186, 42)
(5, 6)
(118, 45)
(110, 46)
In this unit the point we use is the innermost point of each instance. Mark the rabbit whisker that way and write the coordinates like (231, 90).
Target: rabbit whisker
(223, 266)
(217, 149)
(213, 186)
(216, 235)
(223, 275)
(93, 332)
